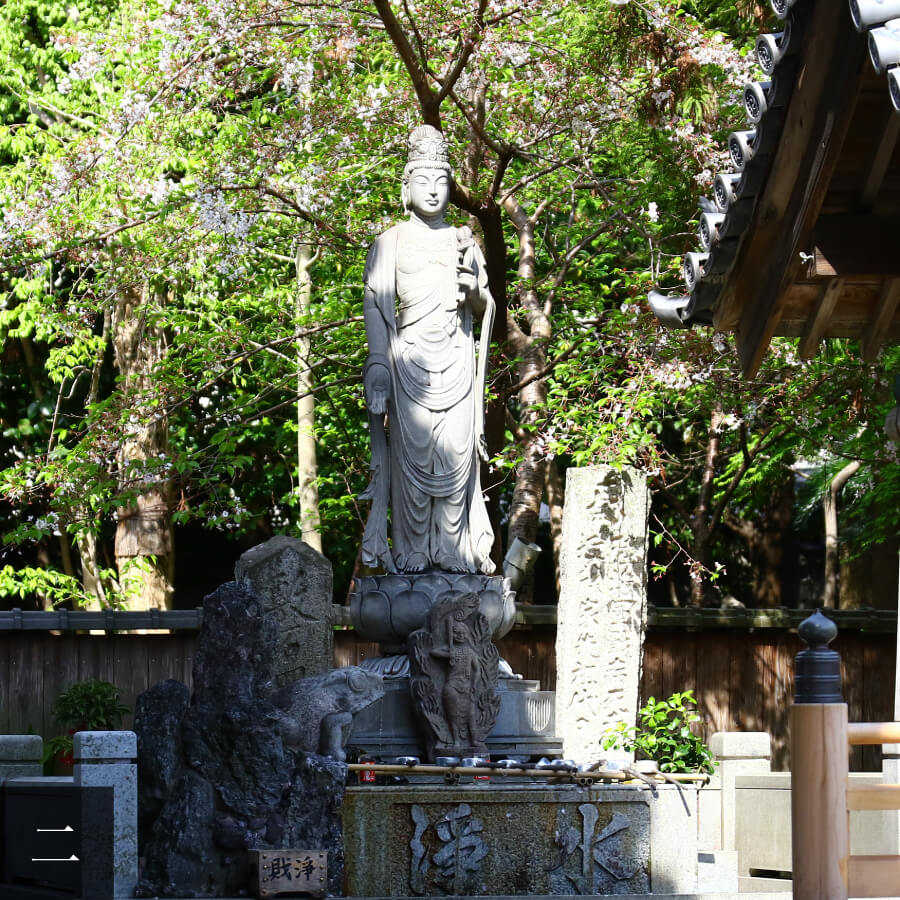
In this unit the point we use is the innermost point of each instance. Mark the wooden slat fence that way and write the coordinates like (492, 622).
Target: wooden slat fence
(743, 679)
(35, 666)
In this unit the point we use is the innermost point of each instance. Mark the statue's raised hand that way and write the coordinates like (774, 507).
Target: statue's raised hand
(377, 387)
(466, 276)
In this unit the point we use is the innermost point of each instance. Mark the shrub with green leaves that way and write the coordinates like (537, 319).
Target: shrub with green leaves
(90, 705)
(664, 735)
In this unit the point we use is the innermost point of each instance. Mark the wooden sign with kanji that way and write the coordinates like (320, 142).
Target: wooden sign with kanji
(291, 872)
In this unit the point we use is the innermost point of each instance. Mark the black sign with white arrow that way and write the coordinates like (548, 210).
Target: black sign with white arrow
(57, 837)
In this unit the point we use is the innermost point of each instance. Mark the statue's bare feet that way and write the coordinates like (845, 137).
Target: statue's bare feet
(414, 563)
(453, 565)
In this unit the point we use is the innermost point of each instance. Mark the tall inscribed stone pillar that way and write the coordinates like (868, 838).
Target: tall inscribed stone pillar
(602, 605)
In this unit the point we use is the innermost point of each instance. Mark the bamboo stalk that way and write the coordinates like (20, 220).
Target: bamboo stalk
(556, 775)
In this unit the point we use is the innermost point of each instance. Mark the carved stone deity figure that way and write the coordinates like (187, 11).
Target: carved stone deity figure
(425, 285)
(453, 669)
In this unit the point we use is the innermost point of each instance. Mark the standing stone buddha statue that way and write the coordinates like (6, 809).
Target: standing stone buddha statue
(425, 286)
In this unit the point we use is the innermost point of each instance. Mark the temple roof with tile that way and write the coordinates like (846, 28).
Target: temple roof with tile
(802, 237)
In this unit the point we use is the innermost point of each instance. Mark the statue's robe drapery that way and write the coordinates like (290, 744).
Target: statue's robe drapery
(418, 328)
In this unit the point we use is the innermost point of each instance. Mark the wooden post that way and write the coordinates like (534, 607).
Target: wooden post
(819, 818)
(819, 768)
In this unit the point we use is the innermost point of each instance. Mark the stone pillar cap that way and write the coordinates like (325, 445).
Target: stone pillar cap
(104, 745)
(21, 747)
(741, 745)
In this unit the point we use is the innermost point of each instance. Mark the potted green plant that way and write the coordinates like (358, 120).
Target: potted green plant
(90, 705)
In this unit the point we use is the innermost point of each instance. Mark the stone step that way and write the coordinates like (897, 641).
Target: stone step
(762, 885)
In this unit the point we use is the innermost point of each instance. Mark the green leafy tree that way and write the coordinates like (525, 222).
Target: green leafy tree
(164, 168)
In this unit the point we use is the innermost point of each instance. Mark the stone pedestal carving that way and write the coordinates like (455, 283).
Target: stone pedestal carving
(524, 726)
(505, 839)
(453, 665)
(602, 605)
(294, 584)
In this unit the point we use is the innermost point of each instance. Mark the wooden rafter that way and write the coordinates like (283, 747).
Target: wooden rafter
(881, 320)
(819, 117)
(877, 164)
(820, 319)
(856, 246)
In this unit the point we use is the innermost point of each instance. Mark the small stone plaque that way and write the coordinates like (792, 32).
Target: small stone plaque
(291, 872)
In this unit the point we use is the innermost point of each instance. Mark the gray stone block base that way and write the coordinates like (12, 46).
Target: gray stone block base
(701, 896)
(478, 840)
(105, 759)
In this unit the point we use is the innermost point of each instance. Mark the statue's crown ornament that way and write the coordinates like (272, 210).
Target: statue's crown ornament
(427, 146)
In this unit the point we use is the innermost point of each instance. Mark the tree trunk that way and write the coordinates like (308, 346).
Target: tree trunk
(86, 539)
(766, 535)
(86, 542)
(555, 493)
(531, 349)
(307, 466)
(832, 559)
(143, 545)
(700, 525)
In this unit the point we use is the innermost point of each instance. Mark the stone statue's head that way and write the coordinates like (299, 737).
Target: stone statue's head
(427, 149)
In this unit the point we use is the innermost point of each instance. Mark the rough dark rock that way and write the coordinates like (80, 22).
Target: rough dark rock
(181, 859)
(157, 721)
(232, 664)
(230, 774)
(312, 813)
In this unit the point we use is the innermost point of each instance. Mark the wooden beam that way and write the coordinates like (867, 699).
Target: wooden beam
(873, 876)
(818, 322)
(815, 125)
(856, 246)
(862, 733)
(882, 318)
(878, 162)
(873, 796)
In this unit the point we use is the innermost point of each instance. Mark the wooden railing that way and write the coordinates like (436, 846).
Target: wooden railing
(873, 876)
(822, 797)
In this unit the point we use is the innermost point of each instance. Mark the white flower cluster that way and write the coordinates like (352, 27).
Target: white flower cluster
(731, 422)
(679, 375)
(86, 66)
(310, 187)
(135, 108)
(215, 215)
(297, 76)
(49, 522)
(61, 181)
